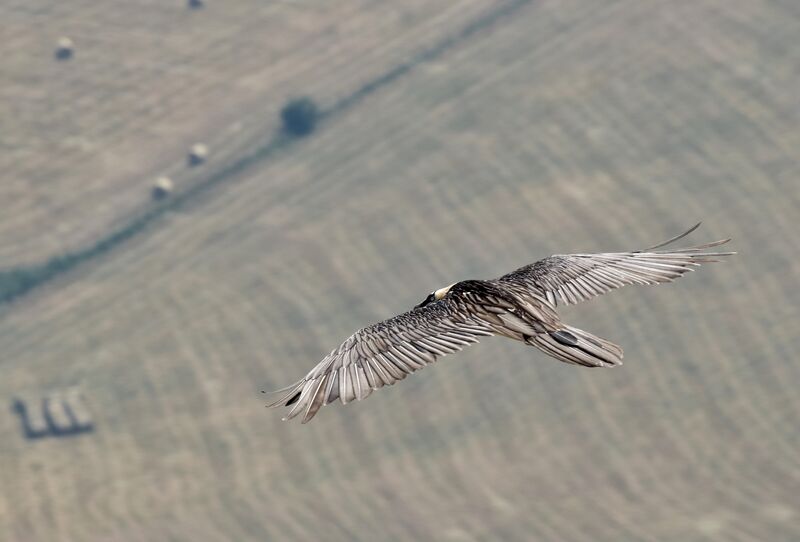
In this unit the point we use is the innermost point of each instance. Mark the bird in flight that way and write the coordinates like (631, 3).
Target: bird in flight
(520, 305)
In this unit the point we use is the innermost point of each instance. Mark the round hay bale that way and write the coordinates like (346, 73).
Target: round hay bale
(65, 48)
(162, 187)
(197, 154)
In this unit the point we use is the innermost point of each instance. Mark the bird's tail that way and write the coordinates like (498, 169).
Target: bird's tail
(573, 345)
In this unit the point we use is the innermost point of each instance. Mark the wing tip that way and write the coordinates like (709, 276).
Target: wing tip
(284, 398)
(305, 397)
(672, 240)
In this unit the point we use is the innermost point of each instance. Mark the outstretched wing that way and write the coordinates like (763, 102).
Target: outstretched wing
(571, 278)
(383, 353)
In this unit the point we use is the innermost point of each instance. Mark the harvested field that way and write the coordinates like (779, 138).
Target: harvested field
(561, 127)
(148, 77)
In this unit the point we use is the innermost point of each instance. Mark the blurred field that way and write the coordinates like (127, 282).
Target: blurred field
(561, 127)
(83, 138)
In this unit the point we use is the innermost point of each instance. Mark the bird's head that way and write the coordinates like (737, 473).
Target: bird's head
(435, 296)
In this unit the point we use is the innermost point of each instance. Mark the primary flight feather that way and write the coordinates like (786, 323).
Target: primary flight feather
(520, 305)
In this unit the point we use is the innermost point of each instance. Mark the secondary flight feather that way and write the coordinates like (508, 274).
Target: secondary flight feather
(520, 305)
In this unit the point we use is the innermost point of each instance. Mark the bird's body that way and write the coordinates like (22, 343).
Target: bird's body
(520, 305)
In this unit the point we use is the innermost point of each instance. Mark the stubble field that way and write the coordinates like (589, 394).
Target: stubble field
(555, 127)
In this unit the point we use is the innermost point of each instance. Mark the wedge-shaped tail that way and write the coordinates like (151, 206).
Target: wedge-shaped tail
(573, 345)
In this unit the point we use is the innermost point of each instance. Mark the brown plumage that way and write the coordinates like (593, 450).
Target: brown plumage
(520, 305)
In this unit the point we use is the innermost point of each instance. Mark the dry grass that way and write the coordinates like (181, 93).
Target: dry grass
(81, 137)
(569, 127)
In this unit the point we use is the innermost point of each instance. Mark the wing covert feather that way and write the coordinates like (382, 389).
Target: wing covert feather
(572, 278)
(384, 353)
